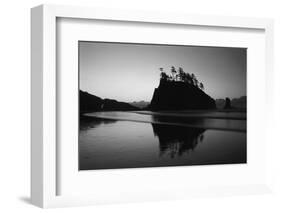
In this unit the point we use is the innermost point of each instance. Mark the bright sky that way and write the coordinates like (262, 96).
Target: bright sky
(130, 72)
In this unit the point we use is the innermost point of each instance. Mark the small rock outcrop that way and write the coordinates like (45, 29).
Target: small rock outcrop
(227, 103)
(235, 103)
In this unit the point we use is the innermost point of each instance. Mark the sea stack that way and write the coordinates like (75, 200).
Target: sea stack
(177, 95)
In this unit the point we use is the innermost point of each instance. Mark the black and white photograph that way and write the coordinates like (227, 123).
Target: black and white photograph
(155, 105)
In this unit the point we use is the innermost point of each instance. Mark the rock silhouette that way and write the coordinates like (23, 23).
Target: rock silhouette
(227, 103)
(239, 102)
(236, 103)
(177, 140)
(110, 104)
(177, 95)
(140, 104)
(91, 103)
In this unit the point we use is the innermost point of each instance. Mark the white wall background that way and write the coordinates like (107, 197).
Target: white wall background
(15, 104)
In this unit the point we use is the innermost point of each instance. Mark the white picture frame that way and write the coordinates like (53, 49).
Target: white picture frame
(44, 155)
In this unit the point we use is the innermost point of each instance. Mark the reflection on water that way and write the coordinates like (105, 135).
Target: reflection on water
(109, 144)
(177, 140)
(87, 123)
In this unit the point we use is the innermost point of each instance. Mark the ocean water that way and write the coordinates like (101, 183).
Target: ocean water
(135, 142)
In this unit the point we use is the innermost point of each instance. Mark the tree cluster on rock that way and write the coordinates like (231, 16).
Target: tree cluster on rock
(180, 76)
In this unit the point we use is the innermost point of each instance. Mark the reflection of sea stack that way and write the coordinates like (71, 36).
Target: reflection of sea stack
(177, 140)
(177, 95)
(227, 103)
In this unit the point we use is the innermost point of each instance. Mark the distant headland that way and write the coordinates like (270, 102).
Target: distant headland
(92, 103)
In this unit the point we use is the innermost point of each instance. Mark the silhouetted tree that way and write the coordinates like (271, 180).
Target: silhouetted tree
(188, 78)
(193, 79)
(201, 85)
(181, 74)
(174, 72)
(170, 78)
(164, 76)
(196, 82)
(183, 77)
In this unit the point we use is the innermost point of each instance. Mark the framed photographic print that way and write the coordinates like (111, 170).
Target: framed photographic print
(160, 116)
(132, 106)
